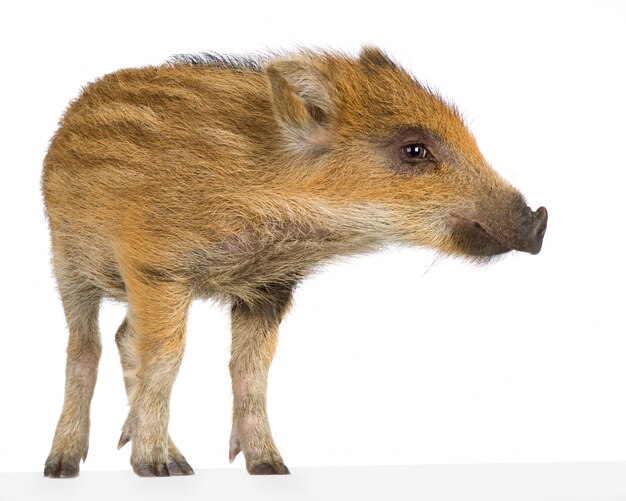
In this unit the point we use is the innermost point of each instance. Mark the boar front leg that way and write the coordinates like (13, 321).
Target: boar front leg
(125, 339)
(157, 319)
(254, 337)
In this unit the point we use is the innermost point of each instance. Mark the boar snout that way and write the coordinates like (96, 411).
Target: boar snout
(539, 223)
(482, 237)
(526, 235)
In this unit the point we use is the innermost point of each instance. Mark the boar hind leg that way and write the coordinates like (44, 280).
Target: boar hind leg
(71, 440)
(254, 337)
(157, 317)
(125, 339)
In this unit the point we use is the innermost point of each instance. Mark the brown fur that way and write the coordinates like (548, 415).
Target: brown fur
(211, 177)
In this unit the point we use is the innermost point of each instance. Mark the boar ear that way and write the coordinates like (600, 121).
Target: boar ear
(373, 56)
(300, 98)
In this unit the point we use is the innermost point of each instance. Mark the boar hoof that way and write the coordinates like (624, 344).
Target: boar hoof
(61, 467)
(268, 469)
(151, 470)
(170, 469)
(179, 468)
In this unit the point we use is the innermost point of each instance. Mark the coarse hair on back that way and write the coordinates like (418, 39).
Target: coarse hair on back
(228, 61)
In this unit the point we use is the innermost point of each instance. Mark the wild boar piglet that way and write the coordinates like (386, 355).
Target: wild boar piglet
(235, 178)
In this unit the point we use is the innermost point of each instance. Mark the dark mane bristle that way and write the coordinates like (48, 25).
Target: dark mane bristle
(233, 62)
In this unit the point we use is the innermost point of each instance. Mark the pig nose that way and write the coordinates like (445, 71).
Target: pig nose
(538, 230)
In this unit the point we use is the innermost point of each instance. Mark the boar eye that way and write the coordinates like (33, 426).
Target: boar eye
(415, 152)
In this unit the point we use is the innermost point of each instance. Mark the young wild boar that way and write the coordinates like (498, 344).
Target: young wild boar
(235, 179)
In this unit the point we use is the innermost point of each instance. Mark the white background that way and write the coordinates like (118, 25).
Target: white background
(385, 359)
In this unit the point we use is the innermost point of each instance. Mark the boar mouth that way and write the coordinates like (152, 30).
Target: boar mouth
(475, 239)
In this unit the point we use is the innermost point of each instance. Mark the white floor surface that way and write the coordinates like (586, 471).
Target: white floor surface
(502, 482)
